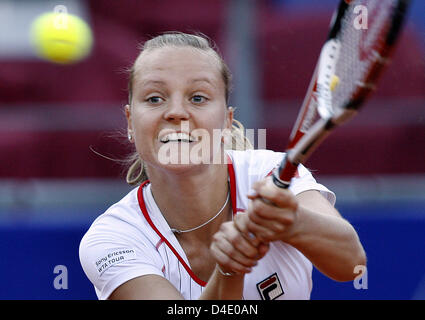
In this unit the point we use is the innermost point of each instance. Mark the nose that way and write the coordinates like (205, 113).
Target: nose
(176, 110)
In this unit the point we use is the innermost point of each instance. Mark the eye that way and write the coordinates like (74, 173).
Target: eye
(154, 100)
(198, 99)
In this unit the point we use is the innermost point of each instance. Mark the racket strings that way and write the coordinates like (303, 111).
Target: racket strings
(360, 48)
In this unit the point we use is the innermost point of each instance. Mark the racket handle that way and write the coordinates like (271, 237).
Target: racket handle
(280, 183)
(283, 174)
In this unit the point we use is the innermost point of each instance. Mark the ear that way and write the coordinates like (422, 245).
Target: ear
(229, 117)
(127, 111)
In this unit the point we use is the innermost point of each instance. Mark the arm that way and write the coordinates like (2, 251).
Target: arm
(153, 287)
(234, 254)
(326, 239)
(148, 287)
(309, 223)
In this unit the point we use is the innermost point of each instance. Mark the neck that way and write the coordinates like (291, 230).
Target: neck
(189, 200)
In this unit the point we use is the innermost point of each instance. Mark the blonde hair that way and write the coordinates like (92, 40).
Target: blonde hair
(136, 173)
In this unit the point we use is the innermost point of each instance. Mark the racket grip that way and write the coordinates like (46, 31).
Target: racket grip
(283, 174)
(280, 183)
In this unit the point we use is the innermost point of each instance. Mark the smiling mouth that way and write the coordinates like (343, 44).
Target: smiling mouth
(178, 137)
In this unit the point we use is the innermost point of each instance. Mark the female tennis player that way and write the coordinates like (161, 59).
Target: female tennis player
(196, 226)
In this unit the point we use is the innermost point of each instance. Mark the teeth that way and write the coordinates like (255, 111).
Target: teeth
(181, 137)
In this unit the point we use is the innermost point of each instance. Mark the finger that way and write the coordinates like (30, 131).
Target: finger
(279, 197)
(273, 226)
(262, 234)
(239, 256)
(227, 265)
(226, 262)
(267, 215)
(260, 225)
(252, 193)
(252, 196)
(241, 224)
(233, 240)
(240, 220)
(245, 247)
(269, 223)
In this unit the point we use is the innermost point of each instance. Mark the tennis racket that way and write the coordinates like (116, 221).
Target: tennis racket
(354, 55)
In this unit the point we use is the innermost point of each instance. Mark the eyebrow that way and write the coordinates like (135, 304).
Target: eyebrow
(203, 80)
(160, 82)
(145, 82)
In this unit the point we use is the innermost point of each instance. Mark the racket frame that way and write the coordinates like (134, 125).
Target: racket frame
(303, 142)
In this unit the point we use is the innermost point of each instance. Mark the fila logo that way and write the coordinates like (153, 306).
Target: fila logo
(270, 288)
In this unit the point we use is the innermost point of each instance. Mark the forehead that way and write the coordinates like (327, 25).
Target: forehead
(184, 62)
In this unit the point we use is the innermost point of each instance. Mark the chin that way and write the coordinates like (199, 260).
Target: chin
(181, 169)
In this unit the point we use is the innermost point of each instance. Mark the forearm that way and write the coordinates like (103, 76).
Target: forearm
(329, 242)
(309, 223)
(221, 287)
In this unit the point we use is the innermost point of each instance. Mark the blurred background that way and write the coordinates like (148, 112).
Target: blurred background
(52, 117)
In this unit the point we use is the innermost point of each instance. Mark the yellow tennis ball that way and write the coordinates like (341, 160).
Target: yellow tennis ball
(61, 37)
(334, 82)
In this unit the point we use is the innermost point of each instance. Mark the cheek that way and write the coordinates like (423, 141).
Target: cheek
(220, 121)
(215, 126)
(215, 118)
(144, 131)
(144, 120)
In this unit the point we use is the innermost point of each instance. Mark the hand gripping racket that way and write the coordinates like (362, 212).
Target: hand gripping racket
(352, 58)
